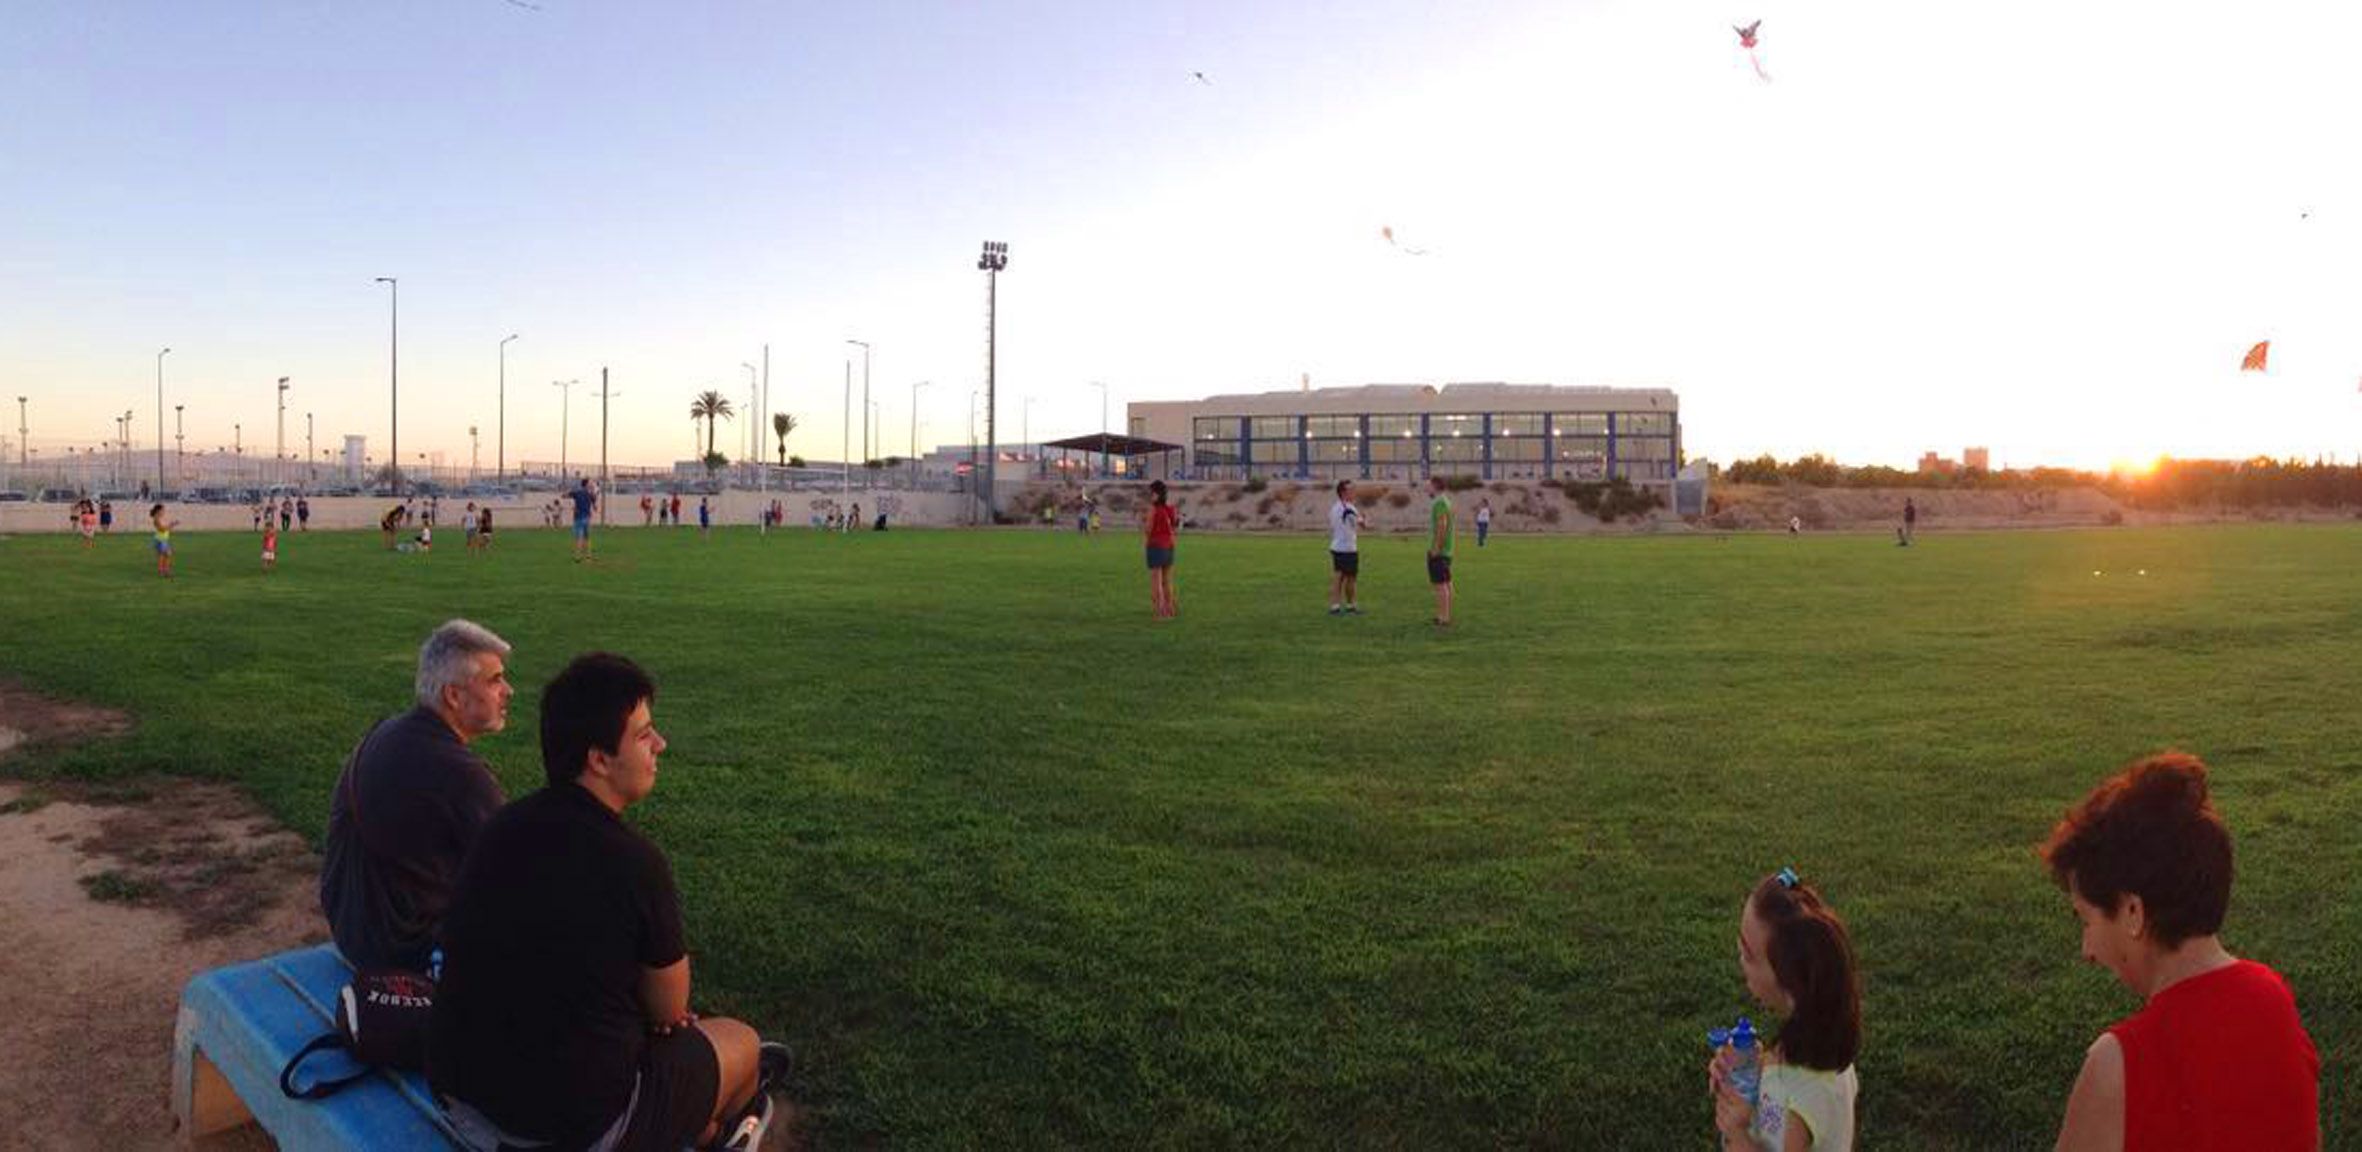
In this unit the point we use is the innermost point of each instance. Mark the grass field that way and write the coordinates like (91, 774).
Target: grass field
(1015, 866)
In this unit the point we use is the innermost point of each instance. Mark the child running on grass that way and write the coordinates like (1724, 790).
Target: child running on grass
(163, 540)
(270, 545)
(1798, 961)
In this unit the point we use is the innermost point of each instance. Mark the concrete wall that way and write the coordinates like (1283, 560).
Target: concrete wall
(932, 509)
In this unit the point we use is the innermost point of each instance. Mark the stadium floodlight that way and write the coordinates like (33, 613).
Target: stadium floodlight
(994, 260)
(394, 375)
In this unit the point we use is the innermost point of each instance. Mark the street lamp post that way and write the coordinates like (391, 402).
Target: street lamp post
(1025, 428)
(914, 432)
(475, 453)
(279, 445)
(180, 447)
(864, 394)
(845, 437)
(565, 409)
(500, 441)
(991, 263)
(394, 366)
(1102, 427)
(159, 417)
(605, 394)
(754, 418)
(21, 433)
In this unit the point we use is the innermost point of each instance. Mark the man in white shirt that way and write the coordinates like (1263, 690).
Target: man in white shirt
(1344, 551)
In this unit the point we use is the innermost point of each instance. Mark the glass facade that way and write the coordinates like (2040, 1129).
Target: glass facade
(1638, 446)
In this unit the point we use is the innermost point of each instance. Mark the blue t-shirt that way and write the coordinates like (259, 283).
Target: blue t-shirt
(582, 503)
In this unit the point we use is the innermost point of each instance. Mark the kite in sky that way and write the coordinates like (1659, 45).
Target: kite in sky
(1387, 231)
(528, 4)
(1747, 41)
(2254, 361)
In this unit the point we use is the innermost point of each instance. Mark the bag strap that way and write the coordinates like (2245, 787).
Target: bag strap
(328, 1042)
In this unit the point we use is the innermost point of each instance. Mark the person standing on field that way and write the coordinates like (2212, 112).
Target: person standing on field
(1439, 550)
(1159, 527)
(1344, 552)
(1484, 521)
(584, 500)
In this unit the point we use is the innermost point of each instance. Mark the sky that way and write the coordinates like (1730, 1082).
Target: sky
(2048, 229)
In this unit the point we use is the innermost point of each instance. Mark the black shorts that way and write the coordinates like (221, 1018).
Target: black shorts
(1439, 569)
(1160, 558)
(679, 1077)
(1346, 563)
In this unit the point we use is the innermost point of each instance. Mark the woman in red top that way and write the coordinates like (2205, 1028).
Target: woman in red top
(1161, 521)
(2217, 1058)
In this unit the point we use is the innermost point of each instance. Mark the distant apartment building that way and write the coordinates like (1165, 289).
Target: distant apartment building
(1980, 459)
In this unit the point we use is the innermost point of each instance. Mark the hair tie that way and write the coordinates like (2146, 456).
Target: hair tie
(1787, 878)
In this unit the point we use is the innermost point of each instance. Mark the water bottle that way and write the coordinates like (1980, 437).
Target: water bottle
(1746, 1071)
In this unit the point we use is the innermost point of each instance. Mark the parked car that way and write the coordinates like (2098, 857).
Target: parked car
(12, 497)
(60, 495)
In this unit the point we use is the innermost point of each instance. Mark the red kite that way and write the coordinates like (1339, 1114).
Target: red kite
(1747, 41)
(2254, 361)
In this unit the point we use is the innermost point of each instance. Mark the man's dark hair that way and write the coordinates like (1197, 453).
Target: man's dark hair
(2151, 831)
(1342, 485)
(1156, 488)
(586, 706)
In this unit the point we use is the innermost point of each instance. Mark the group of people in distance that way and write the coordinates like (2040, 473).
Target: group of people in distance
(1159, 529)
(562, 1010)
(2216, 1059)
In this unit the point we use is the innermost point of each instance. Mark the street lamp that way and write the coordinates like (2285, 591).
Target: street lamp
(565, 409)
(311, 466)
(394, 363)
(914, 432)
(991, 263)
(1102, 427)
(754, 416)
(500, 444)
(864, 393)
(279, 445)
(20, 432)
(180, 447)
(159, 417)
(1025, 427)
(605, 394)
(475, 450)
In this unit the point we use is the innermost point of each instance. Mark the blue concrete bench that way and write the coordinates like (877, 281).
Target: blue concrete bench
(238, 1027)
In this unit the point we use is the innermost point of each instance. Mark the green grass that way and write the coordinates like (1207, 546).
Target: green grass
(1014, 866)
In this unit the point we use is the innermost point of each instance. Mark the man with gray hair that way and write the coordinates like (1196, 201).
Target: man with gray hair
(410, 801)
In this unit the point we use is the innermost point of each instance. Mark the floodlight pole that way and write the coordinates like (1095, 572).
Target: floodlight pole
(180, 447)
(605, 393)
(994, 259)
(311, 467)
(394, 363)
(500, 435)
(565, 412)
(845, 438)
(20, 419)
(914, 433)
(754, 400)
(762, 421)
(279, 442)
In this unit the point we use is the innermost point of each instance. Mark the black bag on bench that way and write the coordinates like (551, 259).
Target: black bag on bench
(381, 1020)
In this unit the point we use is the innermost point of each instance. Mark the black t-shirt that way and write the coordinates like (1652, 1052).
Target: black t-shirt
(538, 1021)
(582, 502)
(388, 872)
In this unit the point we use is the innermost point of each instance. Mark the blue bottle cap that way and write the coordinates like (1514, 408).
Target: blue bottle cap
(1743, 1036)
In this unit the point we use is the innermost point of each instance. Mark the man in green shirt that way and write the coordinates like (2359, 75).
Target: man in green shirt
(1439, 549)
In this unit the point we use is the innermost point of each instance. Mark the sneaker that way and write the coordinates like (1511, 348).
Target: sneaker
(773, 1064)
(747, 1134)
(1336, 610)
(1353, 609)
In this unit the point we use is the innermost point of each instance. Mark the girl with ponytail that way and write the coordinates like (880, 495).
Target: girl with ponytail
(1798, 961)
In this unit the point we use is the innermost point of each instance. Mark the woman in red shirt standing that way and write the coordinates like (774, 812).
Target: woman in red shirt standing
(2217, 1058)
(1159, 525)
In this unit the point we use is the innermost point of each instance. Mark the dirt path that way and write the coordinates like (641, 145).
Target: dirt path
(111, 897)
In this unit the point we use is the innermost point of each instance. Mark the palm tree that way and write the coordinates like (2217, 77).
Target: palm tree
(709, 407)
(782, 423)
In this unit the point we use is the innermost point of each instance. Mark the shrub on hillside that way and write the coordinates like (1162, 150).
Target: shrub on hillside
(1369, 497)
(1398, 499)
(1462, 483)
(1256, 484)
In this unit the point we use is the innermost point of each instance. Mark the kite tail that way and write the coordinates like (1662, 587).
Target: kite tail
(1756, 60)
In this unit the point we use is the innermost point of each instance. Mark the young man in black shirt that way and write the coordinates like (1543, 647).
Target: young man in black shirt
(563, 1019)
(410, 801)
